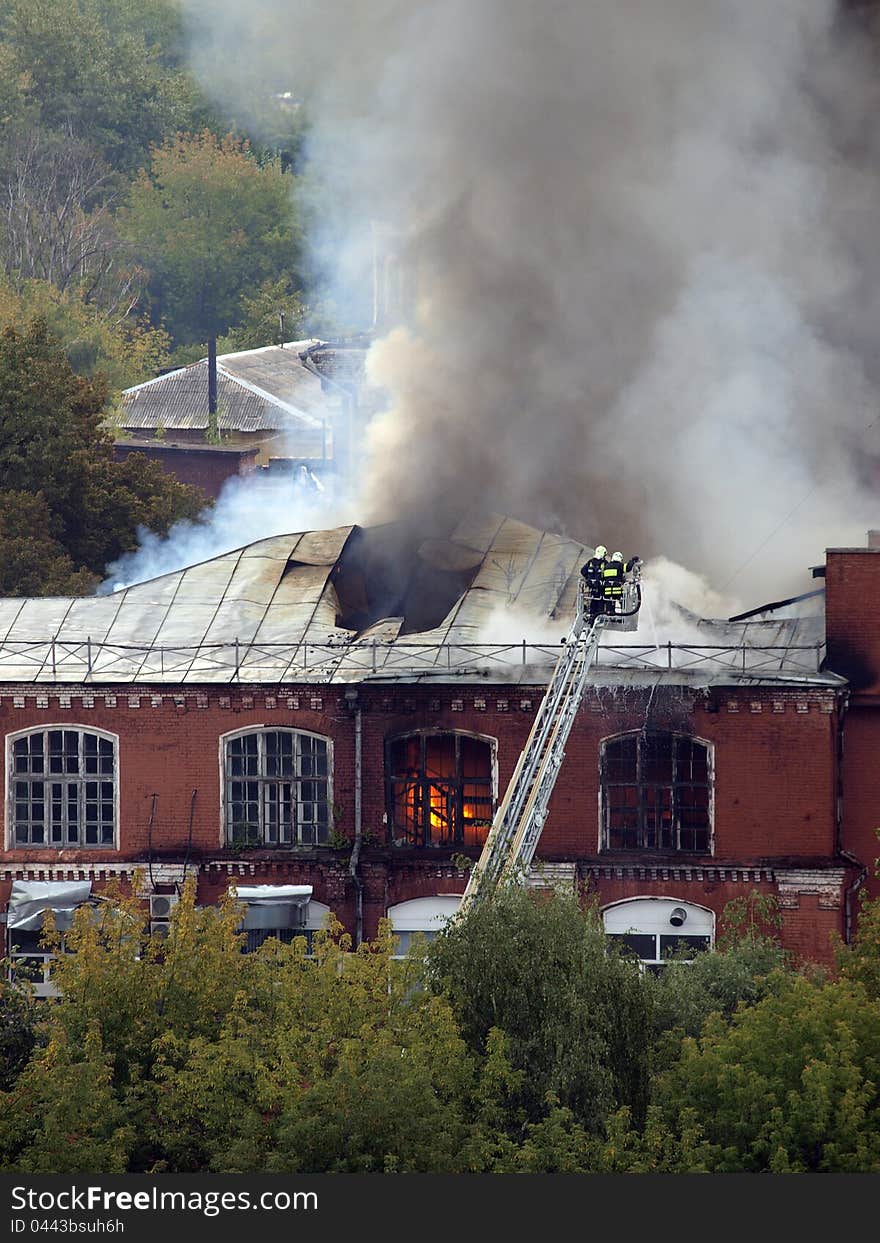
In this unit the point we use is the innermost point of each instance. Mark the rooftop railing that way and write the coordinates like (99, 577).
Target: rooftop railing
(375, 660)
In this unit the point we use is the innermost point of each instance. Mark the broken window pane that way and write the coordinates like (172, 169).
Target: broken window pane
(440, 789)
(656, 793)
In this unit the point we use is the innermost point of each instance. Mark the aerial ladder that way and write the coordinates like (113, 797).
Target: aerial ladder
(510, 845)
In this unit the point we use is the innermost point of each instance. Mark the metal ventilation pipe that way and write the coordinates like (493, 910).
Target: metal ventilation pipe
(212, 375)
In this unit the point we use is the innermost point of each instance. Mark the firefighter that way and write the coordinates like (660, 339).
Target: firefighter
(591, 572)
(613, 574)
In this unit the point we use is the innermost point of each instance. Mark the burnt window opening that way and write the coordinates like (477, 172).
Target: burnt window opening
(277, 787)
(439, 789)
(62, 789)
(656, 793)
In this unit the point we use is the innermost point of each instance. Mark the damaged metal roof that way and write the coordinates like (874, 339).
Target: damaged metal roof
(302, 608)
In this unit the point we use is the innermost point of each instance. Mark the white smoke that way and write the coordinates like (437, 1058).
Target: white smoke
(508, 625)
(644, 240)
(248, 509)
(670, 592)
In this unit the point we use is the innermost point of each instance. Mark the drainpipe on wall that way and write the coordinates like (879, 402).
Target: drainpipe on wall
(851, 892)
(351, 702)
(852, 889)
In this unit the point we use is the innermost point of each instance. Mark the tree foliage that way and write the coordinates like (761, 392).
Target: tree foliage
(685, 994)
(190, 1055)
(790, 1085)
(576, 1017)
(105, 70)
(56, 467)
(184, 1054)
(94, 339)
(211, 224)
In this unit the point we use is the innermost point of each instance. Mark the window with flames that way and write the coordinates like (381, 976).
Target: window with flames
(440, 789)
(656, 793)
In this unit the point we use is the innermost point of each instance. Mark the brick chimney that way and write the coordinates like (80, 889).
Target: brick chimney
(852, 613)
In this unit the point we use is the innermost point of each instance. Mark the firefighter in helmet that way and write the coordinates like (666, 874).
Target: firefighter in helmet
(613, 578)
(591, 572)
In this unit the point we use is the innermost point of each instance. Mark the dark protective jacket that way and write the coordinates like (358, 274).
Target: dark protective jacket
(592, 575)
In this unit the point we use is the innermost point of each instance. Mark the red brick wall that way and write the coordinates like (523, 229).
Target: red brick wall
(774, 792)
(202, 466)
(852, 622)
(861, 787)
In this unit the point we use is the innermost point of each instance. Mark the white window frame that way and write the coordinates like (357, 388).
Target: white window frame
(650, 916)
(427, 916)
(271, 728)
(47, 777)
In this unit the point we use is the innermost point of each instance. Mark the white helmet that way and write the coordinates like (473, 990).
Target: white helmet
(617, 556)
(601, 551)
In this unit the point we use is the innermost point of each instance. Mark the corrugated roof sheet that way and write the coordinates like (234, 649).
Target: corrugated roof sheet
(257, 390)
(267, 613)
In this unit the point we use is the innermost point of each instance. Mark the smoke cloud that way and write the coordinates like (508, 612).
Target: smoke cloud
(642, 238)
(247, 509)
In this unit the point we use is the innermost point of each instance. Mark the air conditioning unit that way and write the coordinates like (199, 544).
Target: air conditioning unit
(159, 928)
(161, 905)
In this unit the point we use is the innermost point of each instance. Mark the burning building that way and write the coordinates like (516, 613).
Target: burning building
(328, 720)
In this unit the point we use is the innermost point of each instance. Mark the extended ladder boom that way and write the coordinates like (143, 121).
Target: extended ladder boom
(513, 837)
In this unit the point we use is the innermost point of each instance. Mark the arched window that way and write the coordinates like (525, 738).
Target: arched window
(62, 789)
(656, 793)
(427, 916)
(439, 789)
(277, 788)
(655, 929)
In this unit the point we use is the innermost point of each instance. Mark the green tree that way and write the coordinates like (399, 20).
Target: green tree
(790, 1085)
(211, 224)
(102, 71)
(576, 1016)
(32, 563)
(94, 340)
(52, 446)
(740, 972)
(261, 322)
(193, 1056)
(18, 1020)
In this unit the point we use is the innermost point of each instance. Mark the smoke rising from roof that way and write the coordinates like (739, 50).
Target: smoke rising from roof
(643, 238)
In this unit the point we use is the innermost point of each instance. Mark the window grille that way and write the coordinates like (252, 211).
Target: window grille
(440, 789)
(277, 788)
(63, 789)
(656, 793)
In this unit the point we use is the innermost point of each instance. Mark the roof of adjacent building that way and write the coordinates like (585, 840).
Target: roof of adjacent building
(280, 611)
(267, 389)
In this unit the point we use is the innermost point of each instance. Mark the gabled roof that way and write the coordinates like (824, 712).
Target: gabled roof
(257, 390)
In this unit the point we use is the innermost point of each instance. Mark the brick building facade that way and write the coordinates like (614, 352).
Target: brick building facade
(203, 466)
(364, 785)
